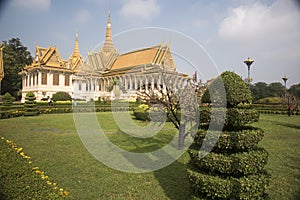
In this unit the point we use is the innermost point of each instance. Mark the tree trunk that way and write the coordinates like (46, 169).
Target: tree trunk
(181, 136)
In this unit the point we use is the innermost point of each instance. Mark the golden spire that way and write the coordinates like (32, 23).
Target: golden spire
(76, 52)
(1, 64)
(108, 44)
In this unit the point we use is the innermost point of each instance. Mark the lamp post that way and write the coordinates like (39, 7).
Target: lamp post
(285, 78)
(249, 62)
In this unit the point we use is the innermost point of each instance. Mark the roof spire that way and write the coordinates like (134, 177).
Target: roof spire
(108, 44)
(76, 52)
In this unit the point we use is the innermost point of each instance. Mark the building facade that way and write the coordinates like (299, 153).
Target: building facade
(103, 71)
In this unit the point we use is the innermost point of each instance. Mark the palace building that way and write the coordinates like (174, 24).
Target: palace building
(102, 70)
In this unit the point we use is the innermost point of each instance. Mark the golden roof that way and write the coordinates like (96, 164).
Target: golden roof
(151, 55)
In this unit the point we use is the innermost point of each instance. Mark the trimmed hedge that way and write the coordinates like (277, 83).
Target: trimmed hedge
(237, 164)
(7, 99)
(30, 106)
(11, 114)
(61, 96)
(141, 114)
(234, 168)
(235, 117)
(231, 141)
(208, 186)
(237, 91)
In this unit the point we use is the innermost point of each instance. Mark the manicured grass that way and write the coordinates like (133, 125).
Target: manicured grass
(53, 144)
(282, 141)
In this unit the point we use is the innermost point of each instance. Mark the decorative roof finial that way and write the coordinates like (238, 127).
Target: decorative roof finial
(76, 52)
(108, 44)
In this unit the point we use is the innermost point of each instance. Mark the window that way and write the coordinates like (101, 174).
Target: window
(67, 80)
(44, 78)
(37, 78)
(79, 86)
(55, 79)
(33, 79)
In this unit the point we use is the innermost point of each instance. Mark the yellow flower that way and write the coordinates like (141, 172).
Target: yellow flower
(29, 162)
(35, 168)
(55, 188)
(2, 138)
(19, 149)
(49, 183)
(66, 193)
(61, 189)
(22, 154)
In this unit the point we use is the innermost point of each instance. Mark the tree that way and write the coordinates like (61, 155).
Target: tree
(178, 102)
(295, 90)
(15, 57)
(228, 164)
(276, 89)
(260, 90)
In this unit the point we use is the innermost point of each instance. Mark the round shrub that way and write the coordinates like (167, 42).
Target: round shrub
(30, 107)
(7, 99)
(61, 96)
(237, 91)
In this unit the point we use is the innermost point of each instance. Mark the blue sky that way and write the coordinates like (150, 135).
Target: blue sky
(225, 31)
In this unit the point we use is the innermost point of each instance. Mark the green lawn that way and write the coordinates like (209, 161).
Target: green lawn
(54, 146)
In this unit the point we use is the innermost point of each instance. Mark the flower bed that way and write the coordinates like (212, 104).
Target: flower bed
(20, 179)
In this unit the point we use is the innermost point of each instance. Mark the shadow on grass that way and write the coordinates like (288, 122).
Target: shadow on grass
(174, 181)
(288, 125)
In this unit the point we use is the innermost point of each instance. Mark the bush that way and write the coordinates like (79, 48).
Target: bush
(11, 114)
(30, 106)
(141, 114)
(235, 117)
(230, 141)
(61, 96)
(270, 100)
(206, 186)
(237, 91)
(7, 99)
(234, 169)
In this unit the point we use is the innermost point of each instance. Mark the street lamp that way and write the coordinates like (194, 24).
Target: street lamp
(285, 78)
(249, 62)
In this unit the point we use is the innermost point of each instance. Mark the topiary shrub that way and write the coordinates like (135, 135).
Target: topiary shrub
(30, 107)
(234, 169)
(61, 96)
(7, 99)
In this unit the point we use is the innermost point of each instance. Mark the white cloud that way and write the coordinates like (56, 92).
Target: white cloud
(270, 34)
(83, 16)
(139, 10)
(280, 21)
(37, 5)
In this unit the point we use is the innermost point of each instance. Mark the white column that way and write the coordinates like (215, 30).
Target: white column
(152, 82)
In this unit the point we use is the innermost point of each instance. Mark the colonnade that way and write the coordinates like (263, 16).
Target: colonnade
(135, 82)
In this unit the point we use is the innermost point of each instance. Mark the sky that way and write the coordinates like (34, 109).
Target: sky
(205, 36)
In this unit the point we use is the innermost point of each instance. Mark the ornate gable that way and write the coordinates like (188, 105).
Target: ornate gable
(49, 57)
